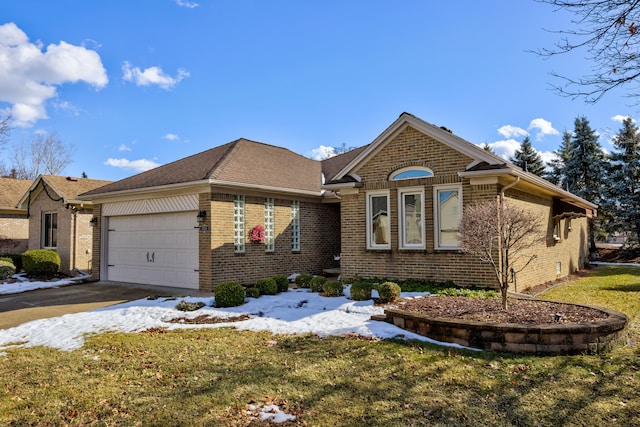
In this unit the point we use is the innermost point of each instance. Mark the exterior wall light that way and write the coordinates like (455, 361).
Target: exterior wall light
(201, 216)
(93, 221)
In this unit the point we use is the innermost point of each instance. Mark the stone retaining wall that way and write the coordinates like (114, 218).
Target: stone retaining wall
(548, 339)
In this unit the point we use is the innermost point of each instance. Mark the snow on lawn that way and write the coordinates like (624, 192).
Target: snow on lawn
(297, 311)
(23, 284)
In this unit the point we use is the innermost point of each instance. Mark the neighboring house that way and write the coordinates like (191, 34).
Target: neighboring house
(390, 209)
(58, 220)
(14, 225)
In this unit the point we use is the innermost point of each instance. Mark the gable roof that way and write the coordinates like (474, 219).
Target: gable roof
(484, 164)
(65, 188)
(241, 162)
(11, 190)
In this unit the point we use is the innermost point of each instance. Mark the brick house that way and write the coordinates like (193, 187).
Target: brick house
(58, 220)
(418, 177)
(189, 223)
(390, 208)
(14, 225)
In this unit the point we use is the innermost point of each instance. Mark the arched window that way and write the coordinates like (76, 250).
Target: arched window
(411, 172)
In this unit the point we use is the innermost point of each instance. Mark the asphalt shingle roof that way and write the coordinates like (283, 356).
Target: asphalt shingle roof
(12, 190)
(241, 161)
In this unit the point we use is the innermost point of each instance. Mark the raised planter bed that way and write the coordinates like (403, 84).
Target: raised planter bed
(547, 339)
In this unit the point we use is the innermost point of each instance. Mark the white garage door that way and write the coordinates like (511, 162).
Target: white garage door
(155, 249)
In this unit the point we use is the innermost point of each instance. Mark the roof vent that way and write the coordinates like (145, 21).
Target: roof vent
(445, 129)
(69, 178)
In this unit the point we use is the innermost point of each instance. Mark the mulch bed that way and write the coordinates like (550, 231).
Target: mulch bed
(207, 320)
(526, 311)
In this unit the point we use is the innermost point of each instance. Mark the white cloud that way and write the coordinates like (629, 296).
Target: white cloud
(124, 147)
(187, 4)
(152, 76)
(620, 118)
(30, 75)
(323, 152)
(505, 148)
(139, 165)
(509, 131)
(172, 137)
(543, 128)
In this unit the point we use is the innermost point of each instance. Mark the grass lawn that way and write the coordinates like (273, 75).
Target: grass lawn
(209, 377)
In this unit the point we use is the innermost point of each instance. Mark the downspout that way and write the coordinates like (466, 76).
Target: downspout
(501, 250)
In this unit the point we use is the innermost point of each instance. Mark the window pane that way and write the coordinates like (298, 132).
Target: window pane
(295, 225)
(238, 224)
(412, 173)
(269, 225)
(449, 217)
(379, 220)
(412, 207)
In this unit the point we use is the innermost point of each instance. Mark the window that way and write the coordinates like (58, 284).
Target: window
(556, 229)
(50, 230)
(269, 225)
(448, 211)
(411, 215)
(295, 225)
(411, 173)
(378, 232)
(238, 224)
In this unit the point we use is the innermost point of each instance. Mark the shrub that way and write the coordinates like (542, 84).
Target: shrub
(361, 291)
(388, 292)
(304, 280)
(189, 306)
(267, 286)
(253, 292)
(16, 260)
(7, 269)
(41, 262)
(316, 283)
(332, 288)
(229, 294)
(282, 282)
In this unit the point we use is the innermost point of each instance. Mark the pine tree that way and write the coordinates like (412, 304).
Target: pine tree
(528, 158)
(487, 147)
(556, 167)
(623, 201)
(585, 169)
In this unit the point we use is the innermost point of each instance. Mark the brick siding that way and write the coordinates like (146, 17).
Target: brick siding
(430, 263)
(319, 240)
(14, 233)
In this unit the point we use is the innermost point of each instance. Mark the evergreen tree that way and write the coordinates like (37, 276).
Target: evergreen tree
(487, 147)
(623, 201)
(556, 167)
(528, 158)
(585, 169)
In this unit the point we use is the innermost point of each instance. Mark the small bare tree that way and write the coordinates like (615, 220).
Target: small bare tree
(45, 154)
(501, 234)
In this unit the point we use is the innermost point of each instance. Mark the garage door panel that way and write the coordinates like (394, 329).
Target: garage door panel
(158, 249)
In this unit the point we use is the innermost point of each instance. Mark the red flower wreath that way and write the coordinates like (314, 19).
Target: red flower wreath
(257, 234)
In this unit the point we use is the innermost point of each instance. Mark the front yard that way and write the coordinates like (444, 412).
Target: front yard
(217, 376)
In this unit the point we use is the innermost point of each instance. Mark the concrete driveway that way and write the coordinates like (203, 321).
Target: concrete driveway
(16, 309)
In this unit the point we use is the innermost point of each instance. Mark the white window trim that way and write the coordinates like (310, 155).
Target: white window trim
(394, 175)
(402, 217)
(436, 214)
(370, 243)
(44, 230)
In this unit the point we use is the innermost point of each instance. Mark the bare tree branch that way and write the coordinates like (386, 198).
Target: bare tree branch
(502, 235)
(609, 33)
(44, 155)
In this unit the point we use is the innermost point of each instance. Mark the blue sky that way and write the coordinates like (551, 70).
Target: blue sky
(134, 84)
